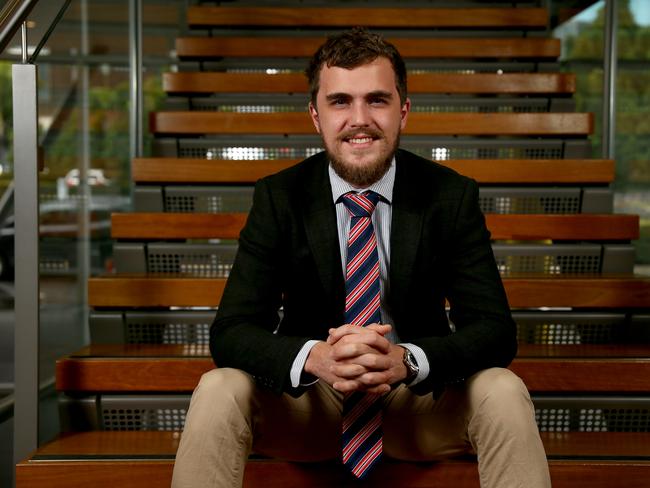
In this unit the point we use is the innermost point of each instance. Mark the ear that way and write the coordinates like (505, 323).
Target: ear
(314, 116)
(404, 112)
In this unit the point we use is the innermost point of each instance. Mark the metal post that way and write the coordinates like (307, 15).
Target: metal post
(135, 66)
(26, 343)
(84, 239)
(610, 68)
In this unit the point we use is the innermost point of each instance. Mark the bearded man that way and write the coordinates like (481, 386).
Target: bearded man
(332, 338)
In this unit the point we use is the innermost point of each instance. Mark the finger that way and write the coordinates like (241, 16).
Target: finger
(348, 371)
(373, 362)
(337, 333)
(370, 338)
(373, 378)
(351, 351)
(346, 329)
(382, 329)
(346, 386)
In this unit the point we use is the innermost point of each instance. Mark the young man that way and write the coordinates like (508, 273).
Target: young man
(360, 246)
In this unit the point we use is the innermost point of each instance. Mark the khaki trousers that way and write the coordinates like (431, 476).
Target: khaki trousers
(491, 414)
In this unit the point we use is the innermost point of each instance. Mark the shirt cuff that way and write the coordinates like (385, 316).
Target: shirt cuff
(421, 359)
(298, 365)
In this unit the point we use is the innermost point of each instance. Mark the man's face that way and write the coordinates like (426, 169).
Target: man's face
(359, 116)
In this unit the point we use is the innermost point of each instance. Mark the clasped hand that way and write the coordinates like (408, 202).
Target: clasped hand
(358, 359)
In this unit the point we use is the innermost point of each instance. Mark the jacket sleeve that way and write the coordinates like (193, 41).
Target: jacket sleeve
(484, 333)
(242, 335)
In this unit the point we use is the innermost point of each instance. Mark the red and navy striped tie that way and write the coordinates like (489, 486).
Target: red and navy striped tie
(362, 437)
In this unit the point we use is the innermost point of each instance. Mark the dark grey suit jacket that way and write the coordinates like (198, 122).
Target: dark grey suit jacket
(289, 257)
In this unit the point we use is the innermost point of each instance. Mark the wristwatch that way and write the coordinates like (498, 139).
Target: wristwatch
(412, 368)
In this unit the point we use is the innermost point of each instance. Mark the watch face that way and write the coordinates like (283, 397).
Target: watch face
(410, 363)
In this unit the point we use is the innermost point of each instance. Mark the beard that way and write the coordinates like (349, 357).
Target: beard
(358, 175)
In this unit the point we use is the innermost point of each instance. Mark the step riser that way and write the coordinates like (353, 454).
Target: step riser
(282, 475)
(153, 412)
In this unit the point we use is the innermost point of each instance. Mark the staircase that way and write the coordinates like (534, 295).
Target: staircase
(489, 102)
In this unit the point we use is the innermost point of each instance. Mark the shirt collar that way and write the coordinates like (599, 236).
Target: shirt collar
(384, 186)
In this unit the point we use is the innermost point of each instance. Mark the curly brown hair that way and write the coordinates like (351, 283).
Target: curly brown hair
(351, 49)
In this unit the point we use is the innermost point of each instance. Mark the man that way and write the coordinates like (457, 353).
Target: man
(360, 247)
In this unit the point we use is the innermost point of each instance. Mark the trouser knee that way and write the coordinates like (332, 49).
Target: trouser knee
(225, 390)
(500, 394)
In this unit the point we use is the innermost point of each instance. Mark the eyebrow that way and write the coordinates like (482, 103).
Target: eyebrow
(372, 94)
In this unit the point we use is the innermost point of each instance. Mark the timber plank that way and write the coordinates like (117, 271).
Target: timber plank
(160, 291)
(504, 171)
(163, 445)
(280, 123)
(443, 83)
(277, 474)
(442, 48)
(144, 225)
(130, 371)
(207, 16)
(125, 291)
(594, 459)
(135, 225)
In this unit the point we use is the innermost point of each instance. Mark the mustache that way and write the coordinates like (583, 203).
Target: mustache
(349, 134)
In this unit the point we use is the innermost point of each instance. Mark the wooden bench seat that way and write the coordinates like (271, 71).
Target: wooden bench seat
(508, 18)
(177, 368)
(438, 124)
(442, 83)
(163, 291)
(136, 459)
(595, 227)
(486, 171)
(205, 48)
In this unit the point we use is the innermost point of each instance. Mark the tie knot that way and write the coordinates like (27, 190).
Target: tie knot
(361, 204)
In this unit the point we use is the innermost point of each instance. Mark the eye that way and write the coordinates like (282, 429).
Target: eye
(339, 101)
(377, 101)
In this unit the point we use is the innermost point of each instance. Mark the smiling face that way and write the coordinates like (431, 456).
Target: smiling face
(359, 115)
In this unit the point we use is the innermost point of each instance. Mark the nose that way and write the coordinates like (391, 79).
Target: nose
(360, 116)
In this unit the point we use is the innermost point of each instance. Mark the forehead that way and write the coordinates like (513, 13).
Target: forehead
(378, 75)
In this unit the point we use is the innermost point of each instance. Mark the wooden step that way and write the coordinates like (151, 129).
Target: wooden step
(163, 291)
(494, 171)
(177, 368)
(142, 225)
(442, 83)
(136, 459)
(510, 18)
(441, 48)
(435, 124)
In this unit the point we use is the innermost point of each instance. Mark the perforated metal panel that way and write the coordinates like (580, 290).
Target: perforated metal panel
(168, 328)
(167, 413)
(506, 200)
(593, 414)
(214, 199)
(570, 328)
(279, 103)
(213, 260)
(216, 259)
(155, 412)
(549, 259)
(437, 148)
(499, 200)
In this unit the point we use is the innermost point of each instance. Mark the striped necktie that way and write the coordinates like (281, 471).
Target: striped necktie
(361, 429)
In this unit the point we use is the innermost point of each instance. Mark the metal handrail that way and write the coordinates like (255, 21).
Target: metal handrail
(13, 14)
(50, 29)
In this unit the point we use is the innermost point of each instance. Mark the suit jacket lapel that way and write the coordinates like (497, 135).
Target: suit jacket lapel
(319, 217)
(406, 228)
